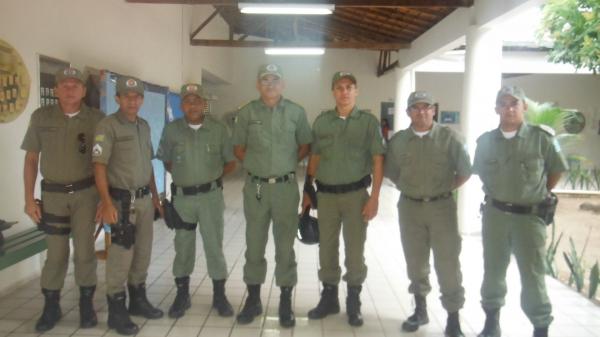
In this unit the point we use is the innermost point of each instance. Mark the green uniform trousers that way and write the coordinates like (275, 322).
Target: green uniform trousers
(131, 265)
(279, 203)
(206, 210)
(80, 206)
(335, 210)
(525, 236)
(426, 227)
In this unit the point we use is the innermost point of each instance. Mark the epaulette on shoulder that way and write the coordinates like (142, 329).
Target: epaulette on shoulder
(545, 128)
(244, 105)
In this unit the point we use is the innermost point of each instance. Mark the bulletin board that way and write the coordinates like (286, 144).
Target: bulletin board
(153, 111)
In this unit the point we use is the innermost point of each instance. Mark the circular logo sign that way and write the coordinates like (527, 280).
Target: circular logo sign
(14, 83)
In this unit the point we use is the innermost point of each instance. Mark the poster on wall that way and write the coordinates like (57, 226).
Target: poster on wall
(14, 83)
(449, 117)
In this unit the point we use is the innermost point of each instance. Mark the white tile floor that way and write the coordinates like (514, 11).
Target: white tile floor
(385, 299)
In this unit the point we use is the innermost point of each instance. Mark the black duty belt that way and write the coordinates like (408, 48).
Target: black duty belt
(68, 188)
(510, 207)
(193, 190)
(344, 188)
(273, 180)
(121, 194)
(428, 199)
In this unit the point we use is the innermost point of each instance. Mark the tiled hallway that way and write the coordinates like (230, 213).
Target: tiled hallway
(385, 299)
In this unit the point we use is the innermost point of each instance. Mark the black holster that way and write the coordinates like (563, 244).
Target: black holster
(547, 208)
(52, 218)
(172, 218)
(123, 232)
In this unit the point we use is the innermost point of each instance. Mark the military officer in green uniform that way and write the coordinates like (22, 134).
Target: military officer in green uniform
(428, 161)
(271, 134)
(519, 164)
(62, 135)
(197, 151)
(122, 155)
(346, 156)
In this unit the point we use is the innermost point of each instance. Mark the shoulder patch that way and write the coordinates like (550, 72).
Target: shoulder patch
(97, 150)
(99, 138)
(546, 129)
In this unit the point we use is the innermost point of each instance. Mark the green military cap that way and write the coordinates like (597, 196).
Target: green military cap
(269, 69)
(127, 83)
(420, 97)
(67, 73)
(193, 89)
(342, 74)
(513, 91)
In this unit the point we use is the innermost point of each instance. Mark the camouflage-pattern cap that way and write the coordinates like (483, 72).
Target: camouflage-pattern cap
(342, 74)
(126, 84)
(67, 73)
(193, 89)
(269, 69)
(420, 97)
(513, 91)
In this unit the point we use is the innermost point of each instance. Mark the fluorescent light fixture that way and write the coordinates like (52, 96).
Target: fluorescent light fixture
(294, 51)
(285, 9)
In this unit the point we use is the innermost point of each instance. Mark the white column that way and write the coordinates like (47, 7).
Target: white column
(482, 79)
(405, 84)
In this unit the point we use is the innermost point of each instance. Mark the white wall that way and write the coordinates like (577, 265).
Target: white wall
(308, 79)
(571, 91)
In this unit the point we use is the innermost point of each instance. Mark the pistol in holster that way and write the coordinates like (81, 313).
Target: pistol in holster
(52, 218)
(173, 219)
(123, 232)
(547, 208)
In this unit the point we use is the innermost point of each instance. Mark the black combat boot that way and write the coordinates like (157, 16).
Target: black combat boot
(139, 304)
(492, 324)
(328, 304)
(540, 332)
(453, 326)
(353, 306)
(419, 317)
(182, 300)
(220, 301)
(51, 313)
(118, 317)
(87, 314)
(286, 314)
(252, 307)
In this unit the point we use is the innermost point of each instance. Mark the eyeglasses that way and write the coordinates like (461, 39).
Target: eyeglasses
(415, 108)
(82, 145)
(265, 82)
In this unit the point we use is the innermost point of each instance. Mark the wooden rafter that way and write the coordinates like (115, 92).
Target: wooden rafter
(203, 24)
(385, 63)
(325, 44)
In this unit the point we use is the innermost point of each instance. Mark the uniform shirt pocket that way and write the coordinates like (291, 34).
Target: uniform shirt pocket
(255, 134)
(532, 169)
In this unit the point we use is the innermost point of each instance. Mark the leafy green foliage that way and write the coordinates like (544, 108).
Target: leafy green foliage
(574, 28)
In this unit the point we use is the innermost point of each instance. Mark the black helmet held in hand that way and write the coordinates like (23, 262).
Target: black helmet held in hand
(308, 228)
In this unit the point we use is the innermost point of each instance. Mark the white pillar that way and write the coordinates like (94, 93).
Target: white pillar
(482, 79)
(405, 84)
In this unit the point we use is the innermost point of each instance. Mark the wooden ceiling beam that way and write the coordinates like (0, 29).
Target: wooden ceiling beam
(339, 3)
(203, 24)
(333, 44)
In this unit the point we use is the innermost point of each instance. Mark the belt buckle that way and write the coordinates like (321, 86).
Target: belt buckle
(271, 180)
(69, 189)
(428, 199)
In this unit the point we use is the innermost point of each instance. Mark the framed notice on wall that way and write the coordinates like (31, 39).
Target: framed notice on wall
(449, 117)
